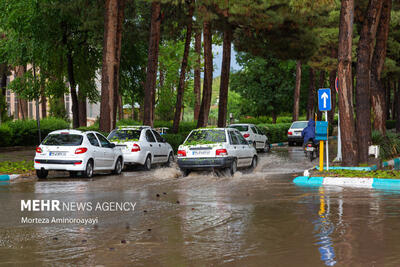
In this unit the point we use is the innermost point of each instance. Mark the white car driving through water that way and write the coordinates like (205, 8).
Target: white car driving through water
(142, 145)
(78, 153)
(216, 148)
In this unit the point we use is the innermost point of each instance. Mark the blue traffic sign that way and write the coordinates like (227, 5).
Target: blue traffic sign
(324, 99)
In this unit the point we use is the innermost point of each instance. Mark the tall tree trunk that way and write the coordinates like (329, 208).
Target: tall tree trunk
(72, 85)
(321, 84)
(181, 84)
(332, 80)
(22, 103)
(197, 80)
(113, 21)
(347, 131)
(120, 108)
(152, 62)
(394, 103)
(117, 92)
(363, 93)
(398, 108)
(388, 91)
(296, 98)
(378, 61)
(225, 72)
(311, 96)
(3, 78)
(82, 109)
(43, 101)
(208, 76)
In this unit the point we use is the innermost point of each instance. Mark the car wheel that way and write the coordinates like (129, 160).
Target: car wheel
(290, 143)
(118, 167)
(73, 174)
(170, 160)
(254, 163)
(147, 163)
(88, 172)
(185, 172)
(42, 174)
(267, 147)
(230, 171)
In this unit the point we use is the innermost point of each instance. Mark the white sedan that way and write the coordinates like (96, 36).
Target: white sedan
(77, 152)
(253, 135)
(216, 148)
(142, 145)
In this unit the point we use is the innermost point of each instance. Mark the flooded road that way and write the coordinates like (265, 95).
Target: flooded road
(251, 219)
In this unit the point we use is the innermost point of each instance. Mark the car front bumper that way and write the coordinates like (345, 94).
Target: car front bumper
(204, 163)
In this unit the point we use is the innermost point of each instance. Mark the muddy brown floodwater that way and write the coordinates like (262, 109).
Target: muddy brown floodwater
(252, 219)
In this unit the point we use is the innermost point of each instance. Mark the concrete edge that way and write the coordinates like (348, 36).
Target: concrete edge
(378, 183)
(9, 177)
(371, 168)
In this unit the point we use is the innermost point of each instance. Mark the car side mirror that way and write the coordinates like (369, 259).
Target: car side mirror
(163, 140)
(112, 145)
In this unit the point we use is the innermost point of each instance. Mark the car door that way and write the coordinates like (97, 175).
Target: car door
(246, 150)
(162, 147)
(235, 148)
(107, 150)
(98, 154)
(152, 146)
(257, 138)
(263, 137)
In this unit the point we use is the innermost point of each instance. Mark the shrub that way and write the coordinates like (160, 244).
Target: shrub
(6, 135)
(175, 140)
(276, 132)
(389, 144)
(25, 132)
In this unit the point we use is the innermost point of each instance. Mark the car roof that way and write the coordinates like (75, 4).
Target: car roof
(133, 127)
(69, 131)
(208, 129)
(242, 124)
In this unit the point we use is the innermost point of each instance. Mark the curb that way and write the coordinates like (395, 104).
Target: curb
(377, 183)
(372, 168)
(6, 177)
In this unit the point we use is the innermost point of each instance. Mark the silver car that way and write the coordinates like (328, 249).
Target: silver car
(294, 132)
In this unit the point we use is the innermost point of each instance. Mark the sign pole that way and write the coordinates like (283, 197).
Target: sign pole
(339, 140)
(327, 144)
(321, 156)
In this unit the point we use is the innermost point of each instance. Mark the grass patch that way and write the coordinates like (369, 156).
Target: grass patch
(390, 174)
(18, 167)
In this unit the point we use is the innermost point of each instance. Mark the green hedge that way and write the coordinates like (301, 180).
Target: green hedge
(276, 132)
(389, 144)
(25, 133)
(175, 140)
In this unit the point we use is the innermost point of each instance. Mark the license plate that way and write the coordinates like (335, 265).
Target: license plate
(200, 153)
(309, 149)
(52, 153)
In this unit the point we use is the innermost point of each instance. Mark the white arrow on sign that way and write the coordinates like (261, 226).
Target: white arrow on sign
(324, 97)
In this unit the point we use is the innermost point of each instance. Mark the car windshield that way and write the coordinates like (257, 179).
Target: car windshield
(124, 135)
(206, 137)
(299, 124)
(63, 140)
(240, 128)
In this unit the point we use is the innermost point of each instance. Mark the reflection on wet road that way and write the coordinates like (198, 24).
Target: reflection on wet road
(257, 219)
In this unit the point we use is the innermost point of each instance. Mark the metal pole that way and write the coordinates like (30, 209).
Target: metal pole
(327, 144)
(321, 156)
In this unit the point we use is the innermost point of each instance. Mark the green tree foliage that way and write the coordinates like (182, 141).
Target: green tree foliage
(264, 85)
